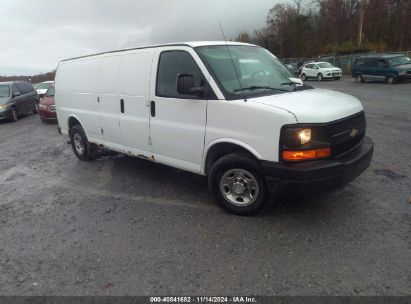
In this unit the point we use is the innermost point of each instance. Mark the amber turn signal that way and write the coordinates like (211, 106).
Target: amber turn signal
(306, 154)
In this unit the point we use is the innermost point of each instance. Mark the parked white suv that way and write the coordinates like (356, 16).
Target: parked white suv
(320, 71)
(230, 112)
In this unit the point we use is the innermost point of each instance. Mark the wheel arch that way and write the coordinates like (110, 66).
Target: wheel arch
(72, 121)
(218, 148)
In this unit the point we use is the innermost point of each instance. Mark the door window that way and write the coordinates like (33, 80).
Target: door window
(382, 63)
(171, 64)
(371, 62)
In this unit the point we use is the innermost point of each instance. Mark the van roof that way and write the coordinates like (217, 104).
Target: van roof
(192, 44)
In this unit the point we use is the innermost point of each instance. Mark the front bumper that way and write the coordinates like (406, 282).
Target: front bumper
(404, 77)
(312, 177)
(4, 114)
(47, 115)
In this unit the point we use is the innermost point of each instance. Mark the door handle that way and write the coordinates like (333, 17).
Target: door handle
(153, 108)
(122, 105)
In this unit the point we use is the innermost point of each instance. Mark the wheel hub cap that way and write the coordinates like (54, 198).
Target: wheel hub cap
(239, 187)
(78, 143)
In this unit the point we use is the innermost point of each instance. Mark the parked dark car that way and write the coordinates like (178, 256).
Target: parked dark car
(17, 98)
(386, 67)
(293, 68)
(47, 108)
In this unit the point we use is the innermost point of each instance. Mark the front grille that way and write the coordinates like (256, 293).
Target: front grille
(346, 134)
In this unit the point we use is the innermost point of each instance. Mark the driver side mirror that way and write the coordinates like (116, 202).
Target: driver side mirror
(185, 86)
(15, 94)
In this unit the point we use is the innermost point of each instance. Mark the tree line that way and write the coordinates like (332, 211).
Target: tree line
(33, 79)
(308, 28)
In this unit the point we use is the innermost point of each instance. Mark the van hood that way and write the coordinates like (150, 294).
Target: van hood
(403, 66)
(314, 106)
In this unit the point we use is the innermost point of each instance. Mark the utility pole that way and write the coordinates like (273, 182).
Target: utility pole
(360, 23)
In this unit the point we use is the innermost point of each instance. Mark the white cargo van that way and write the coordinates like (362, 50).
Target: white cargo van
(231, 112)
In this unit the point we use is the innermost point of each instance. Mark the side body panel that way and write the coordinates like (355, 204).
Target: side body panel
(75, 95)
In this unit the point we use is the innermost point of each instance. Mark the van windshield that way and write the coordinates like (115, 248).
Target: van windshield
(246, 71)
(50, 92)
(400, 60)
(4, 90)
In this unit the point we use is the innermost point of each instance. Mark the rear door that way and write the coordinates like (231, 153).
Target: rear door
(177, 123)
(23, 101)
(308, 69)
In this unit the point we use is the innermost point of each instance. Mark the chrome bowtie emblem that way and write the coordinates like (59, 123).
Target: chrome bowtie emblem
(354, 132)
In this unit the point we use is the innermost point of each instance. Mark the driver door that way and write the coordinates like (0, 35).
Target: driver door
(177, 122)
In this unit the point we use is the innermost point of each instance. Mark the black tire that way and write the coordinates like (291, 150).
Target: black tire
(14, 116)
(242, 163)
(79, 139)
(337, 78)
(43, 120)
(358, 78)
(303, 77)
(390, 80)
(320, 77)
(36, 108)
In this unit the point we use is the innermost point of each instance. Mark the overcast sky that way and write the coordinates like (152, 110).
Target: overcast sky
(37, 34)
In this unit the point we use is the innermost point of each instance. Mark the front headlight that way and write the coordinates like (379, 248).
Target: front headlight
(305, 136)
(2, 107)
(43, 107)
(302, 143)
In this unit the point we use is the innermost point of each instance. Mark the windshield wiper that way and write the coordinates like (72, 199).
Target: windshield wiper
(252, 88)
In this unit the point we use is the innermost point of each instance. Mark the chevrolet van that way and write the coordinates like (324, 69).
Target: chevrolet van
(229, 111)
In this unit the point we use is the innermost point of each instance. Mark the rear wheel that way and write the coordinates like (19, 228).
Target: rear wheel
(13, 115)
(82, 148)
(390, 80)
(238, 185)
(320, 77)
(337, 78)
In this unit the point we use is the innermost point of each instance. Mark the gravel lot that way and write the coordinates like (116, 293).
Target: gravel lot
(124, 226)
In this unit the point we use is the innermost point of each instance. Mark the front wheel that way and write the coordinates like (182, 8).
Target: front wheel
(36, 107)
(81, 147)
(303, 77)
(13, 115)
(320, 77)
(358, 78)
(337, 78)
(390, 80)
(238, 185)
